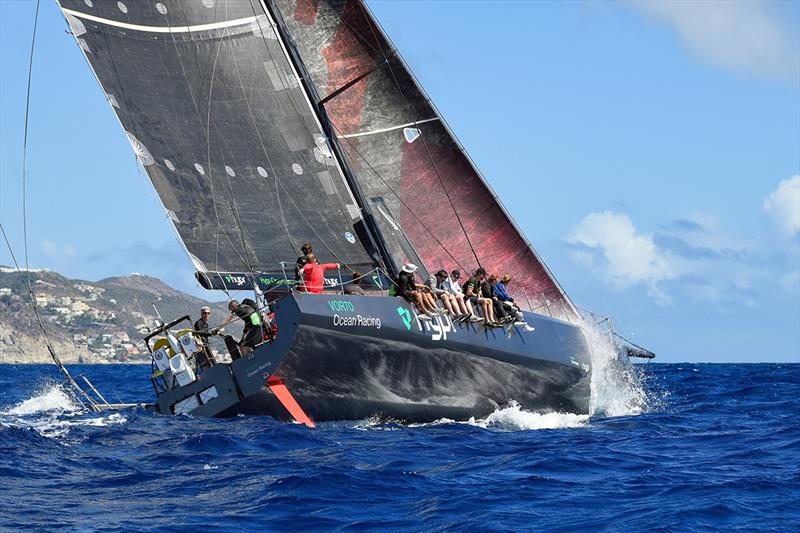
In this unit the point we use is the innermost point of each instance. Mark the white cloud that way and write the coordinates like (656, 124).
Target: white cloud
(783, 206)
(746, 35)
(623, 256)
(50, 248)
(53, 250)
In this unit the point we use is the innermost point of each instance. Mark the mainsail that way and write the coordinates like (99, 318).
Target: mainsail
(218, 118)
(417, 180)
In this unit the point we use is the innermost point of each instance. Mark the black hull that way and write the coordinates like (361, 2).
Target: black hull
(351, 357)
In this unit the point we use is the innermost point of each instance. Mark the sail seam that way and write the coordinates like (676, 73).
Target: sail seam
(163, 29)
(384, 130)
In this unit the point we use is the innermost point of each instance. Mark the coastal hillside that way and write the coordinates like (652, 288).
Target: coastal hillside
(90, 322)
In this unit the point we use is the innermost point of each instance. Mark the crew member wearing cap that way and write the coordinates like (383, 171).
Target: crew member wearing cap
(201, 331)
(420, 295)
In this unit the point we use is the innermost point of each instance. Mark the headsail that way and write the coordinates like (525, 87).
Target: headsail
(217, 117)
(414, 173)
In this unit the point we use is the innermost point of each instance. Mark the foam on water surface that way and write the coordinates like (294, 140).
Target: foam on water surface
(51, 413)
(50, 399)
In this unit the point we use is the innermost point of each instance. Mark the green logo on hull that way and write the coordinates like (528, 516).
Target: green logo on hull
(406, 316)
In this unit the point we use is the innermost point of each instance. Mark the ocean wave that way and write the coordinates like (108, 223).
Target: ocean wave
(52, 398)
(51, 413)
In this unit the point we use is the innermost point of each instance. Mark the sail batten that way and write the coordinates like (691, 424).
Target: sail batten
(219, 121)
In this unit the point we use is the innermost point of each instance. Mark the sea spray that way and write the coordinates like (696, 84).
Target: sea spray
(616, 387)
(51, 412)
(49, 399)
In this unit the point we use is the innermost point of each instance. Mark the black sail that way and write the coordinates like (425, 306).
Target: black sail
(425, 193)
(219, 120)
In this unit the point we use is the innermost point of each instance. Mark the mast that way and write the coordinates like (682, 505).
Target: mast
(373, 232)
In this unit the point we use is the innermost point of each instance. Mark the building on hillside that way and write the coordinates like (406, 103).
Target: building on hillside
(5, 291)
(42, 300)
(66, 301)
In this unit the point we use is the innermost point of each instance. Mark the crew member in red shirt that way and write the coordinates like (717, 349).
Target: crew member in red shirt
(314, 274)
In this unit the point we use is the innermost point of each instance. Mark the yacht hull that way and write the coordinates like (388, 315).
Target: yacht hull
(352, 357)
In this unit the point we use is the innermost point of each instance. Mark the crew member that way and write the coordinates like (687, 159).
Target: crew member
(201, 331)
(251, 333)
(487, 291)
(420, 295)
(354, 287)
(314, 274)
(436, 285)
(301, 261)
(472, 294)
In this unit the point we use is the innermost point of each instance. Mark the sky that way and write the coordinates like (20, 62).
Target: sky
(649, 150)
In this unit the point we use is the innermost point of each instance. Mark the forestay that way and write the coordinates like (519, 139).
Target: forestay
(417, 180)
(218, 119)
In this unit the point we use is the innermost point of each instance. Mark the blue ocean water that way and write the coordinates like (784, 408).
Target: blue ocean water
(693, 448)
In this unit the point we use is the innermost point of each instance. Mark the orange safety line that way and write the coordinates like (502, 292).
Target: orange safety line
(278, 388)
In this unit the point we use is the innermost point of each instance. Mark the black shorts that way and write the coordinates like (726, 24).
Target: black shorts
(251, 336)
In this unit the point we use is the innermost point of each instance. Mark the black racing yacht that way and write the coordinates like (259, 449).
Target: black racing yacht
(265, 124)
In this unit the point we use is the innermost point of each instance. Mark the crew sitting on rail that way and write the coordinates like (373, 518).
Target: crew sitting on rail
(436, 283)
(487, 291)
(507, 301)
(465, 312)
(354, 287)
(472, 293)
(251, 334)
(420, 295)
(314, 274)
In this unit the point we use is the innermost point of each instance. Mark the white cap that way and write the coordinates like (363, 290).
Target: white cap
(410, 267)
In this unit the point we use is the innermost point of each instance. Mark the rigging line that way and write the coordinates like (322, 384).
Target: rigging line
(269, 159)
(290, 98)
(131, 118)
(207, 134)
(264, 149)
(427, 150)
(25, 143)
(289, 94)
(238, 222)
(235, 210)
(402, 202)
(200, 120)
(31, 297)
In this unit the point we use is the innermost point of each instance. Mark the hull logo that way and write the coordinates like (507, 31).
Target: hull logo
(406, 316)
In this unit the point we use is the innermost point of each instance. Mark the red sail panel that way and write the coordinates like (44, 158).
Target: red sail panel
(414, 174)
